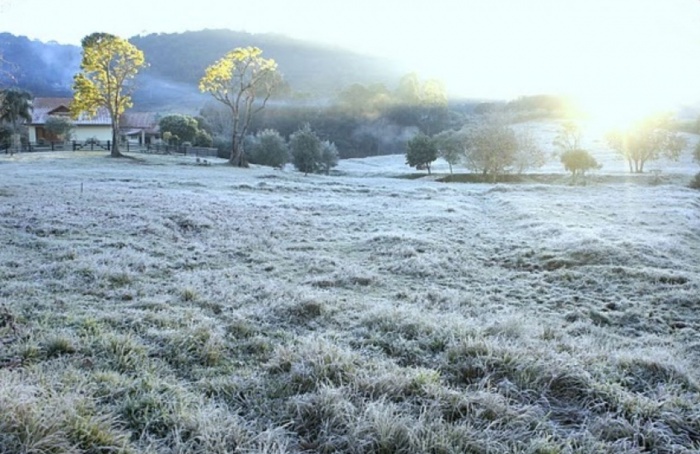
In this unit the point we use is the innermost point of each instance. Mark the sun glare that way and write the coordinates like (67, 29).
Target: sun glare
(618, 111)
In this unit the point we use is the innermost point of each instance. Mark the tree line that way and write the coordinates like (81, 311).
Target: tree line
(414, 117)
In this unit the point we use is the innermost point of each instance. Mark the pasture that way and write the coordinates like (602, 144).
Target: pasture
(161, 306)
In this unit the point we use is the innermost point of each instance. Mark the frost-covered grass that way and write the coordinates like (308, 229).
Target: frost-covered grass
(170, 307)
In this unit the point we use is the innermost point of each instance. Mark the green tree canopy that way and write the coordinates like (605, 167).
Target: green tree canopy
(16, 107)
(59, 126)
(647, 140)
(450, 145)
(184, 127)
(238, 80)
(269, 149)
(105, 80)
(421, 152)
(578, 161)
(305, 147)
(329, 157)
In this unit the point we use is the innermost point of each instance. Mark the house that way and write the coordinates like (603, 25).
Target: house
(98, 127)
(139, 128)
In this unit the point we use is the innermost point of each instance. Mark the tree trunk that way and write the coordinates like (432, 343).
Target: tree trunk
(237, 157)
(428, 167)
(115, 142)
(450, 164)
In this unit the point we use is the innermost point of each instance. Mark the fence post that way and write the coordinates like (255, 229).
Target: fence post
(75, 145)
(52, 148)
(109, 145)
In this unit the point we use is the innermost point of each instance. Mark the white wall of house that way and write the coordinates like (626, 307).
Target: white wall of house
(101, 133)
(81, 133)
(32, 134)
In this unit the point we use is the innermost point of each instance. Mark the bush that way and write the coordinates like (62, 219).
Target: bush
(268, 148)
(695, 182)
(203, 139)
(329, 157)
(578, 161)
(305, 147)
(223, 146)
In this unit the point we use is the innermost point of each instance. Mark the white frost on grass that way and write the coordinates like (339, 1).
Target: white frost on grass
(407, 311)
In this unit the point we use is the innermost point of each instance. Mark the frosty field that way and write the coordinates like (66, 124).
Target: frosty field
(160, 306)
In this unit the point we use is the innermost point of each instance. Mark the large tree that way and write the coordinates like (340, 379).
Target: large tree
(647, 140)
(184, 127)
(491, 147)
(15, 108)
(421, 151)
(106, 79)
(450, 146)
(243, 81)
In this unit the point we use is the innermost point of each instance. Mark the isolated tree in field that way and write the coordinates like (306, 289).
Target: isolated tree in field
(305, 147)
(421, 152)
(529, 154)
(269, 149)
(15, 109)
(578, 162)
(238, 80)
(647, 140)
(491, 147)
(450, 147)
(60, 127)
(106, 79)
(329, 157)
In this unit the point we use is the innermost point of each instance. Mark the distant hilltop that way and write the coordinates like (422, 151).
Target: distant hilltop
(178, 60)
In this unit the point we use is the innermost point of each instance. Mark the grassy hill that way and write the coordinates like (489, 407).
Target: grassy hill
(157, 305)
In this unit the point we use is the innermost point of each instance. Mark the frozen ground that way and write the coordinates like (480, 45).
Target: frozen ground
(163, 306)
(593, 140)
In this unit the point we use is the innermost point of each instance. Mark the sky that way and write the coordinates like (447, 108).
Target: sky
(607, 53)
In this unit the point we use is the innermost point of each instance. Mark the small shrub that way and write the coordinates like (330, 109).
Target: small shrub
(578, 162)
(695, 182)
(58, 346)
(189, 294)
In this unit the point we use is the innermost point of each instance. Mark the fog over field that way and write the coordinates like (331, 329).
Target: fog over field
(158, 305)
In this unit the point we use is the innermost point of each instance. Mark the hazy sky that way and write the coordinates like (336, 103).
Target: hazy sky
(593, 49)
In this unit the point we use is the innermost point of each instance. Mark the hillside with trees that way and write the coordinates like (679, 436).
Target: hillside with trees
(177, 61)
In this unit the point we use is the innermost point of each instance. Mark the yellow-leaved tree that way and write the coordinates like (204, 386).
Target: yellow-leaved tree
(243, 81)
(105, 80)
